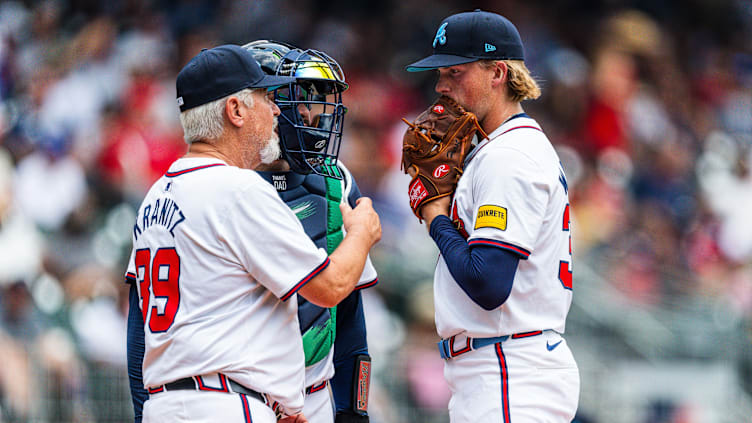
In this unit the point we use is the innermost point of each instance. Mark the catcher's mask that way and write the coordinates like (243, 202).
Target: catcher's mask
(312, 114)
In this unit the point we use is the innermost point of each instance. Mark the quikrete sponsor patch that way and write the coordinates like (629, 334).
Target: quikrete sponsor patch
(491, 217)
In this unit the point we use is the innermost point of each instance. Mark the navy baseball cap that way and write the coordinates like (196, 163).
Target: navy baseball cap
(219, 72)
(470, 36)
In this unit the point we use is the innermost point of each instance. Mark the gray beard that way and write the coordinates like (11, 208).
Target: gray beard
(271, 152)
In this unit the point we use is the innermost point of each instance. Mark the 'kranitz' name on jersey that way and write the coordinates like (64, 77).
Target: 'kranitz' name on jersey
(164, 212)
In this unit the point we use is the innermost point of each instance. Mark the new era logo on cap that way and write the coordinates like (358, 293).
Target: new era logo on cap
(490, 47)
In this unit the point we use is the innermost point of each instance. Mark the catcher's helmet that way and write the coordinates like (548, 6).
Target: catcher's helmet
(312, 114)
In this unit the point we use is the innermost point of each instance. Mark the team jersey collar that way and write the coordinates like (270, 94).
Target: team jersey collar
(191, 164)
(293, 179)
(520, 119)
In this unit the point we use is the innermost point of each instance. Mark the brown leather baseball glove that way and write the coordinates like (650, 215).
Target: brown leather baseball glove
(435, 146)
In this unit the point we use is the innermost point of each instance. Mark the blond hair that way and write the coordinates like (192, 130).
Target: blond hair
(520, 83)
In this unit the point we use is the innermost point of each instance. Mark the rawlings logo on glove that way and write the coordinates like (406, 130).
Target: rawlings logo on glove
(435, 147)
(417, 193)
(441, 171)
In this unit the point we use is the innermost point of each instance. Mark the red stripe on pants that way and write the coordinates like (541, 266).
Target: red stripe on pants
(504, 383)
(246, 408)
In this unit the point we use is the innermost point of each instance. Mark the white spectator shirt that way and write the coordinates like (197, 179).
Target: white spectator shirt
(512, 195)
(217, 257)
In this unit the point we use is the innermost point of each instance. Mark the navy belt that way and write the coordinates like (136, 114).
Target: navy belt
(196, 383)
(447, 349)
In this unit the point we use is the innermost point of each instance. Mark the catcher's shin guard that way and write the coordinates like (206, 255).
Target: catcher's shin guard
(360, 389)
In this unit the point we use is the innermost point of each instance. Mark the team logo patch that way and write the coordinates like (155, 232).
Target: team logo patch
(491, 217)
(417, 193)
(441, 171)
(438, 109)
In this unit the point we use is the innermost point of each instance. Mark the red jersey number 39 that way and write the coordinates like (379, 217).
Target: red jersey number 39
(159, 276)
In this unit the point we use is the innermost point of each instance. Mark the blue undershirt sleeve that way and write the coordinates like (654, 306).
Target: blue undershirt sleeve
(484, 272)
(135, 347)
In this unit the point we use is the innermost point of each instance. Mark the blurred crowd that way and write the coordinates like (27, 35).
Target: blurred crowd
(649, 104)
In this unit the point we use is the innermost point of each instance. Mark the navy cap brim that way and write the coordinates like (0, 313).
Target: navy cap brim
(436, 61)
(272, 81)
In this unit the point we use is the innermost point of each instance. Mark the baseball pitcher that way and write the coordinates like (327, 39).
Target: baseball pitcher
(494, 196)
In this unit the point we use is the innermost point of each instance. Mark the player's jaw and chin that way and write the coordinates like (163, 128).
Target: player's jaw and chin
(467, 85)
(269, 153)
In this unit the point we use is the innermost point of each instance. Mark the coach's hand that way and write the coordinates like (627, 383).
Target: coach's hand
(338, 279)
(362, 221)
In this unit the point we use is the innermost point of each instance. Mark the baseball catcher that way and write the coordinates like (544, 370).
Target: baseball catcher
(313, 182)
(434, 149)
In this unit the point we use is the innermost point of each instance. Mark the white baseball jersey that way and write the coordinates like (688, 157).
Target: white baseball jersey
(513, 195)
(217, 258)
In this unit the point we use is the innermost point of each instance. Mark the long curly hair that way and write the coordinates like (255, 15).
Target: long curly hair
(521, 84)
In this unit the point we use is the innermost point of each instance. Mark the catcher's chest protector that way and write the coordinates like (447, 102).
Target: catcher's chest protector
(315, 201)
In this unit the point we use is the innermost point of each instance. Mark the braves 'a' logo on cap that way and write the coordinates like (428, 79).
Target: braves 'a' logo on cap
(440, 35)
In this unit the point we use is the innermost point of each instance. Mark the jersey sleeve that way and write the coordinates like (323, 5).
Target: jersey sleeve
(369, 277)
(130, 271)
(509, 194)
(270, 241)
(350, 188)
